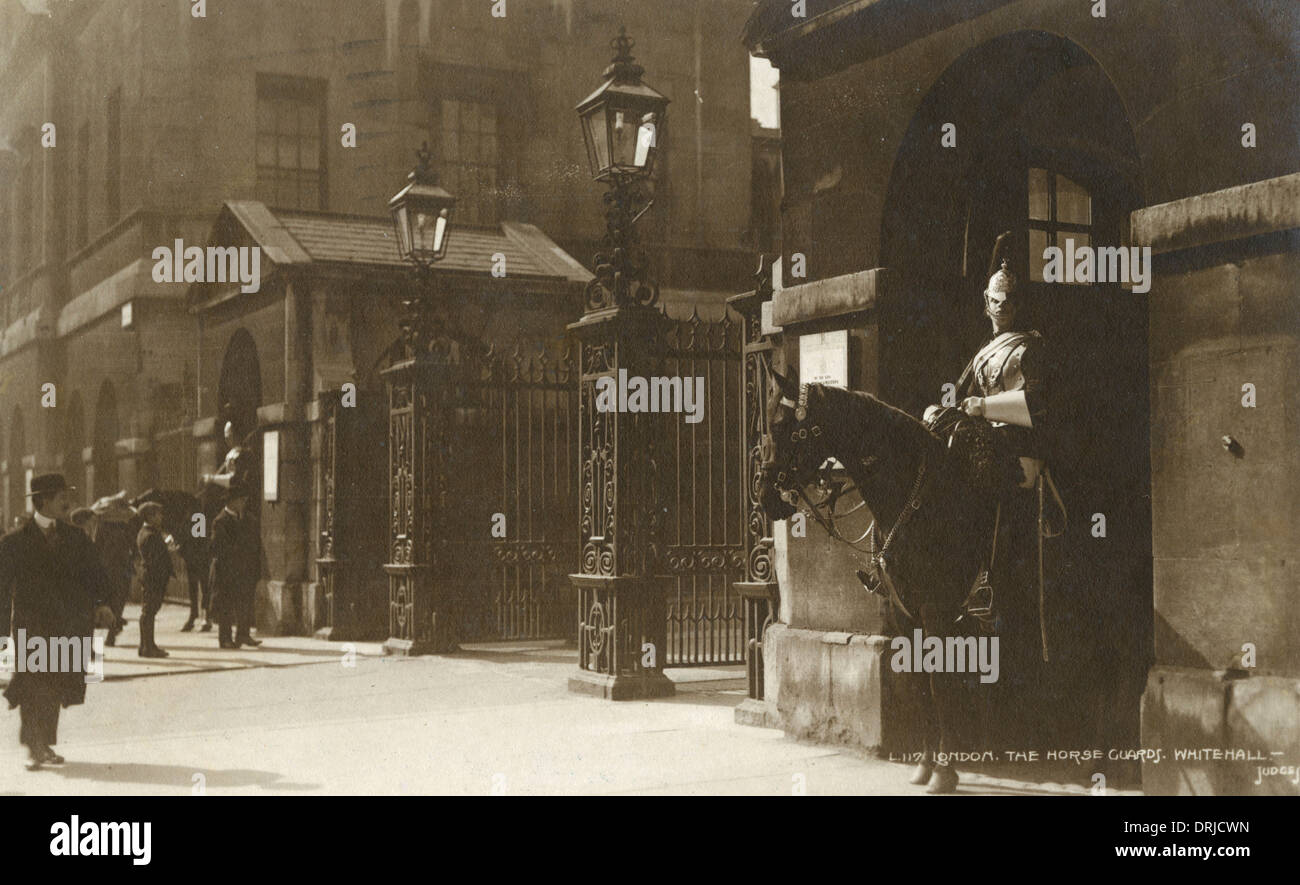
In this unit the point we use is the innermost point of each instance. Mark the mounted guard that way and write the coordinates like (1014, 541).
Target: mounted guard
(1006, 383)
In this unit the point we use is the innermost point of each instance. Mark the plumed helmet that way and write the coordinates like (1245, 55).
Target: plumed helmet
(1001, 279)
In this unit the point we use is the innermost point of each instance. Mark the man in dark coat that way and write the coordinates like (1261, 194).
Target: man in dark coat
(113, 533)
(236, 568)
(157, 572)
(50, 571)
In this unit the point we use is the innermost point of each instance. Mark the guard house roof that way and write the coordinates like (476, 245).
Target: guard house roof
(326, 240)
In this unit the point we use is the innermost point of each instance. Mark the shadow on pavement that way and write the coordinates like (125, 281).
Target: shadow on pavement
(179, 776)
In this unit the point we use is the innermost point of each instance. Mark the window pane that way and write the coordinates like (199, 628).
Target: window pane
(286, 194)
(1037, 244)
(450, 146)
(450, 115)
(1039, 209)
(265, 115)
(266, 150)
(288, 153)
(309, 190)
(1073, 205)
(309, 152)
(308, 118)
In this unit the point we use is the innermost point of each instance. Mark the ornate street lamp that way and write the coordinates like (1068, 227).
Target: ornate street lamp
(419, 594)
(422, 214)
(623, 125)
(622, 120)
(622, 632)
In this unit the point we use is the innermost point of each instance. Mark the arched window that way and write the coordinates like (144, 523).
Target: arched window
(1059, 210)
(239, 390)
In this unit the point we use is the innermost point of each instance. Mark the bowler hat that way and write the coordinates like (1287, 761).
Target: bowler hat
(49, 484)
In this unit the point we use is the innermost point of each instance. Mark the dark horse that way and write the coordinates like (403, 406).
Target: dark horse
(929, 520)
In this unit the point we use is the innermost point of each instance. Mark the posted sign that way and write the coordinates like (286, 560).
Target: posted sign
(824, 358)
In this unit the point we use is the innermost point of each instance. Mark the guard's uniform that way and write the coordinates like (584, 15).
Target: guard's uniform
(1018, 361)
(1014, 361)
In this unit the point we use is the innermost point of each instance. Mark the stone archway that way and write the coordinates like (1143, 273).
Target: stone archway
(1028, 108)
(239, 390)
(104, 454)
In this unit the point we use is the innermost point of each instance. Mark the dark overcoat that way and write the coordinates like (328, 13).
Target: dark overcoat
(236, 552)
(55, 587)
(156, 559)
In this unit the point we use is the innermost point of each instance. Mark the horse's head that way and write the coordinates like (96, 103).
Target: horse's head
(796, 443)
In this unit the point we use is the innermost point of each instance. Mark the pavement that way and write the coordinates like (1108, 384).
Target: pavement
(305, 716)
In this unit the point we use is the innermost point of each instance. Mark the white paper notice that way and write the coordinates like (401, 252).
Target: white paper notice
(824, 359)
(271, 465)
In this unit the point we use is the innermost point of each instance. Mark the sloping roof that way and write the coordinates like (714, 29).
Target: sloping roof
(298, 237)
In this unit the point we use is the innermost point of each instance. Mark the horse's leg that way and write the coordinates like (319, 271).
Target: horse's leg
(943, 779)
(929, 734)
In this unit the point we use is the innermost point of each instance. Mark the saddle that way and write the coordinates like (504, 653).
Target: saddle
(981, 455)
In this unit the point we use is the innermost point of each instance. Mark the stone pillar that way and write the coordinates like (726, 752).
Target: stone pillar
(1225, 442)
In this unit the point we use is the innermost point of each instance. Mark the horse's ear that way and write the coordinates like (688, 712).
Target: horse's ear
(788, 386)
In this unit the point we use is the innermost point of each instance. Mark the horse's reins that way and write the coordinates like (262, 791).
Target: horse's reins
(910, 506)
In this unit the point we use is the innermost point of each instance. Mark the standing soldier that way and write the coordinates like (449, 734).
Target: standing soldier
(50, 571)
(157, 572)
(113, 534)
(236, 568)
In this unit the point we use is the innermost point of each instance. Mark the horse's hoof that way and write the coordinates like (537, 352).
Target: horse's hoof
(921, 774)
(944, 780)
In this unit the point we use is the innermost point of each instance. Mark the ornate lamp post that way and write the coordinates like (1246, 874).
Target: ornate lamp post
(420, 619)
(621, 604)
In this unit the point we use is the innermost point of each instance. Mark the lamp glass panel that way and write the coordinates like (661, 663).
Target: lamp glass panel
(593, 125)
(646, 139)
(624, 131)
(403, 231)
(426, 233)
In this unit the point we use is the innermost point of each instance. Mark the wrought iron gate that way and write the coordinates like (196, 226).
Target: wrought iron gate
(515, 478)
(703, 493)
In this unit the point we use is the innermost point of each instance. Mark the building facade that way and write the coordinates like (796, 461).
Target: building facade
(914, 133)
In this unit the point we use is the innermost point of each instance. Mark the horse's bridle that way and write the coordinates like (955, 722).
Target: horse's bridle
(785, 479)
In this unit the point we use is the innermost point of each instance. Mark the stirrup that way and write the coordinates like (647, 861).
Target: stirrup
(873, 585)
(979, 602)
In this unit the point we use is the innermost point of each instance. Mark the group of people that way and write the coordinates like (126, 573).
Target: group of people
(65, 572)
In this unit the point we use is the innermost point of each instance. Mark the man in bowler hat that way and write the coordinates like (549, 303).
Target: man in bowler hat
(236, 568)
(157, 572)
(50, 572)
